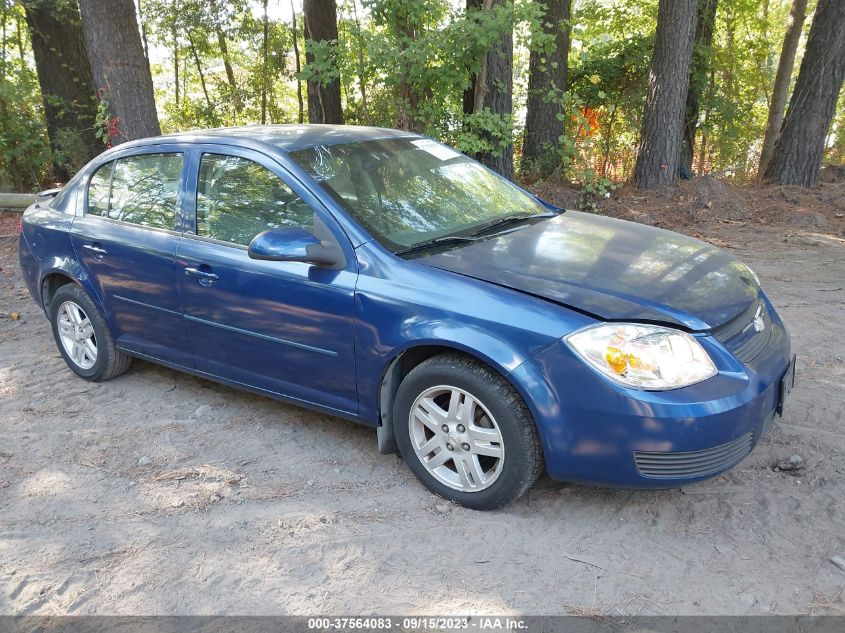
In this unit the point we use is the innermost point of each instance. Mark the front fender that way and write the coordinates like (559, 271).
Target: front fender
(401, 305)
(378, 349)
(528, 384)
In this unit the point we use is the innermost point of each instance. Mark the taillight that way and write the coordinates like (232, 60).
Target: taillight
(20, 226)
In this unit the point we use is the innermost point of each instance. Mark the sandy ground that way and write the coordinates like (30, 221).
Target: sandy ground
(250, 506)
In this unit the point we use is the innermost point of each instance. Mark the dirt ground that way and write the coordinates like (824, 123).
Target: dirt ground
(160, 493)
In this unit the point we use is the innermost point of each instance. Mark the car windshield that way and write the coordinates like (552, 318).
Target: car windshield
(409, 191)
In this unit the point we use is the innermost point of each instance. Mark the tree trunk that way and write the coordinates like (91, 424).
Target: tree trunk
(658, 156)
(798, 151)
(121, 72)
(780, 92)
(547, 78)
(702, 152)
(175, 36)
(323, 97)
(21, 52)
(469, 93)
(266, 25)
(4, 106)
(605, 156)
(227, 66)
(405, 23)
(494, 92)
(143, 25)
(699, 73)
(409, 97)
(65, 77)
(362, 78)
(301, 118)
(199, 68)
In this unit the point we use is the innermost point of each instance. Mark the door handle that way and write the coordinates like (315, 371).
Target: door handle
(205, 278)
(97, 251)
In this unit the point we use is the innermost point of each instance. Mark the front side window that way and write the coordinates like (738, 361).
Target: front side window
(410, 190)
(141, 189)
(237, 199)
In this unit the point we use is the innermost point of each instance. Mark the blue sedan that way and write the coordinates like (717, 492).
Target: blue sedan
(383, 277)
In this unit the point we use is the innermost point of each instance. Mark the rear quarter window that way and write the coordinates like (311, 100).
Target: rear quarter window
(98, 190)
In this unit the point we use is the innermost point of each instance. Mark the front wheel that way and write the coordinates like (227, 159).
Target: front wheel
(466, 433)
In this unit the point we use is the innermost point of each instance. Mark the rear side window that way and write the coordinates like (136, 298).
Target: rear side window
(237, 199)
(140, 190)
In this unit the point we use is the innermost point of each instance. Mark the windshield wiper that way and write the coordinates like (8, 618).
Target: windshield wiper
(516, 218)
(449, 239)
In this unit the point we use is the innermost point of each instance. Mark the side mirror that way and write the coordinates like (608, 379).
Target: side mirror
(293, 244)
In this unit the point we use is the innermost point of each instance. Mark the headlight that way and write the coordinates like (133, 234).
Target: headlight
(643, 356)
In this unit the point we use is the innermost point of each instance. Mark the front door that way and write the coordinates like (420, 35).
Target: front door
(126, 242)
(280, 327)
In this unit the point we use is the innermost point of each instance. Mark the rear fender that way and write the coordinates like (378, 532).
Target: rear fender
(71, 268)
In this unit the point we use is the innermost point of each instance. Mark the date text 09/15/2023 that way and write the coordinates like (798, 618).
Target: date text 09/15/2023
(418, 623)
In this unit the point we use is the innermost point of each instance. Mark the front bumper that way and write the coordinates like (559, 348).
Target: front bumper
(597, 432)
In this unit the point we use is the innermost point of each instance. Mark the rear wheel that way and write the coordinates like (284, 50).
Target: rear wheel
(466, 433)
(82, 336)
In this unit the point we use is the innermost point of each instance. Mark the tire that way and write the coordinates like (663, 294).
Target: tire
(497, 456)
(74, 315)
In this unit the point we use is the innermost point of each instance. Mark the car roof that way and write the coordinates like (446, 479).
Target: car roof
(285, 137)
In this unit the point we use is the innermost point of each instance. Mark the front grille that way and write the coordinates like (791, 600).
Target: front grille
(663, 465)
(740, 336)
(736, 325)
(752, 345)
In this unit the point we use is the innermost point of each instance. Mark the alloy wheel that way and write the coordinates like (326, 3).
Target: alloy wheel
(77, 335)
(456, 438)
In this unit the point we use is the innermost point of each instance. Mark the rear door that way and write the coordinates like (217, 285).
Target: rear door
(126, 241)
(282, 327)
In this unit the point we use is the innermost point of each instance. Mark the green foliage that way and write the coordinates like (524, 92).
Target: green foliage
(611, 78)
(484, 132)
(412, 60)
(24, 149)
(423, 55)
(202, 29)
(593, 187)
(835, 154)
(426, 54)
(324, 66)
(745, 57)
(71, 151)
(102, 120)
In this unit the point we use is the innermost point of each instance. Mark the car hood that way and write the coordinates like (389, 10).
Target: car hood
(612, 269)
